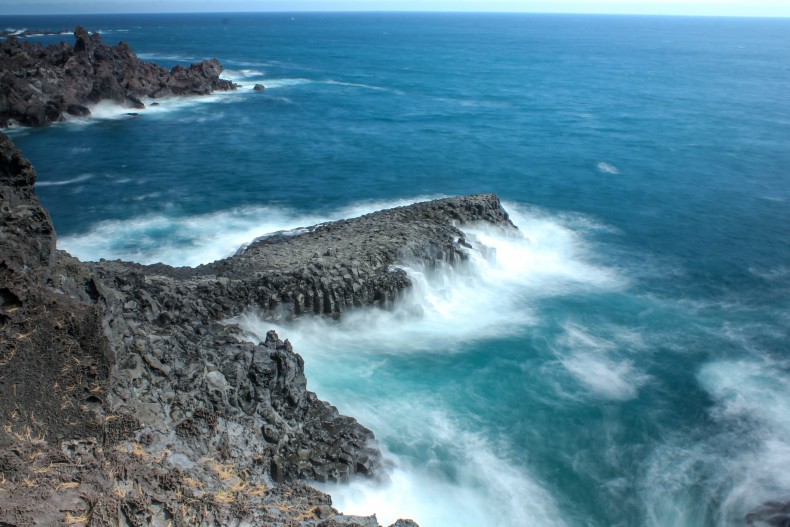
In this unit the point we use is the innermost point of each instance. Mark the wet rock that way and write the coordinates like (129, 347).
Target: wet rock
(259, 87)
(771, 513)
(39, 85)
(136, 371)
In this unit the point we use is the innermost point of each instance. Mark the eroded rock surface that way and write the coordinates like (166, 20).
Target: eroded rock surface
(39, 85)
(125, 396)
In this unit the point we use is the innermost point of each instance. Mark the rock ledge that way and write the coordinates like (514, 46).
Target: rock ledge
(125, 399)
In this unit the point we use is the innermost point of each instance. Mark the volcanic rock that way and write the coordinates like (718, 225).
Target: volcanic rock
(40, 85)
(128, 397)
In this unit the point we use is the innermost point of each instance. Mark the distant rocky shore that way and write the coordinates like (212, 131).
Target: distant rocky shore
(126, 397)
(41, 85)
(23, 33)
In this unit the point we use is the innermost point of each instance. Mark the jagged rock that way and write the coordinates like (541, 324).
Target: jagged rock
(134, 371)
(259, 87)
(53, 352)
(405, 523)
(40, 85)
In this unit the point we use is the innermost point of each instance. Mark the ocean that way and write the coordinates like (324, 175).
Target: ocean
(623, 362)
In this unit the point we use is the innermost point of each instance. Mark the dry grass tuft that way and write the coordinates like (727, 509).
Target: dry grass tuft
(257, 490)
(225, 472)
(44, 470)
(8, 358)
(224, 496)
(77, 520)
(67, 486)
(296, 511)
(193, 483)
(25, 336)
(138, 450)
(27, 436)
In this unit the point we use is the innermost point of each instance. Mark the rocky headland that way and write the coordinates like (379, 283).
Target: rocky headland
(127, 398)
(42, 84)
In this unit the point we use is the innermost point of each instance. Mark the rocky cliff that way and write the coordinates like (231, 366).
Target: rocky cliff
(40, 85)
(127, 399)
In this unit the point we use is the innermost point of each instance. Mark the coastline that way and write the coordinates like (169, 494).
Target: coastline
(43, 85)
(620, 364)
(154, 390)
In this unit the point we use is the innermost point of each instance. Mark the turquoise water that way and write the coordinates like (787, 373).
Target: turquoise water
(623, 363)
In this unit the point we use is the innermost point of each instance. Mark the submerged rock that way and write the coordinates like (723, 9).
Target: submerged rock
(39, 85)
(771, 513)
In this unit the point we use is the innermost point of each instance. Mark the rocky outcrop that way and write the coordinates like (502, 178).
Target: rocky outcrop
(40, 85)
(138, 402)
(53, 359)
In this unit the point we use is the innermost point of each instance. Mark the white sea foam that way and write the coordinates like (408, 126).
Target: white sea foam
(486, 488)
(110, 31)
(247, 63)
(176, 58)
(750, 390)
(102, 111)
(179, 241)
(456, 476)
(235, 75)
(269, 83)
(606, 168)
(743, 466)
(156, 108)
(599, 365)
(483, 298)
(78, 179)
(80, 149)
(203, 238)
(772, 273)
(359, 85)
(754, 398)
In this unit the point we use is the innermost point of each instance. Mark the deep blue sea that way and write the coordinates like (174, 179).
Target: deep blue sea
(625, 362)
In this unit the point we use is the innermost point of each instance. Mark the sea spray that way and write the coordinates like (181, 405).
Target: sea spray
(693, 229)
(203, 238)
(376, 364)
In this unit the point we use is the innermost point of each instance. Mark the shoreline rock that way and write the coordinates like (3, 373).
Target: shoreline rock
(126, 397)
(41, 85)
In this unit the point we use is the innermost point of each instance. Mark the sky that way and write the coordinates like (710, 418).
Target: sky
(659, 7)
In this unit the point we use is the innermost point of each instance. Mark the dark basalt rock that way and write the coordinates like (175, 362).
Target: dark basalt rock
(40, 85)
(131, 375)
(259, 87)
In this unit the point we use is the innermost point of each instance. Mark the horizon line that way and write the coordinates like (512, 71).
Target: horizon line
(403, 11)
